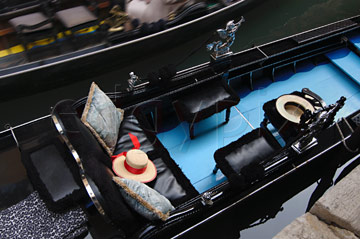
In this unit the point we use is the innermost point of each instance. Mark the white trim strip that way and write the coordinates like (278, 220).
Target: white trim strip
(246, 120)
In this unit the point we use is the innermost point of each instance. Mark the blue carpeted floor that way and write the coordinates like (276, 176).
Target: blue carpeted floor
(347, 61)
(195, 157)
(355, 40)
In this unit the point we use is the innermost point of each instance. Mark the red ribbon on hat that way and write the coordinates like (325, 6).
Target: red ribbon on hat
(134, 170)
(135, 142)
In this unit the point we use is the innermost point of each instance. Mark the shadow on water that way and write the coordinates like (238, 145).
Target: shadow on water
(268, 21)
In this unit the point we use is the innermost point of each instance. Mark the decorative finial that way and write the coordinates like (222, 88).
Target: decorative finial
(132, 81)
(135, 82)
(222, 49)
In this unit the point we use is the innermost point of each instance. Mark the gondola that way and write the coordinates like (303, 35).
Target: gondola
(73, 56)
(212, 136)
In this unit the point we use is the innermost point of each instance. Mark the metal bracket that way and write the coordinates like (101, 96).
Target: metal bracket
(207, 198)
(343, 138)
(9, 127)
(300, 148)
(76, 156)
(135, 82)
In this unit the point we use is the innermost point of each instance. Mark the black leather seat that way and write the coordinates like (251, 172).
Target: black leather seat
(170, 181)
(204, 100)
(130, 124)
(240, 161)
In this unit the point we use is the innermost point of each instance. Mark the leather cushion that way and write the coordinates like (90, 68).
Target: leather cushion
(252, 152)
(250, 149)
(205, 100)
(165, 181)
(52, 172)
(130, 124)
(169, 181)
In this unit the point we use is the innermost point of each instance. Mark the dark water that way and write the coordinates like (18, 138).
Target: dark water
(268, 21)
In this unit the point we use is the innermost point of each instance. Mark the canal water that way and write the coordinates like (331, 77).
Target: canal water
(267, 21)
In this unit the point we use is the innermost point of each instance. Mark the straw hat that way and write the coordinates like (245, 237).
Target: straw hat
(291, 107)
(135, 165)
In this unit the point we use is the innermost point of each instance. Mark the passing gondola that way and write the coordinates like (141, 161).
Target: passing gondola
(175, 150)
(67, 41)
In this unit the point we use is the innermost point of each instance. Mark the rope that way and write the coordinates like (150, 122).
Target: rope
(343, 138)
(195, 50)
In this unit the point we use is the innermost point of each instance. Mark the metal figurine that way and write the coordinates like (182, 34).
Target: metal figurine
(117, 19)
(312, 123)
(132, 81)
(221, 49)
(135, 82)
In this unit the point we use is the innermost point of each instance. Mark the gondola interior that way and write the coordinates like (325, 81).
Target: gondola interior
(228, 116)
(337, 76)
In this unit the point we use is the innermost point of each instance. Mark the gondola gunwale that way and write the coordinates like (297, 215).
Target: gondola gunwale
(233, 69)
(291, 166)
(282, 176)
(78, 54)
(194, 207)
(198, 198)
(198, 68)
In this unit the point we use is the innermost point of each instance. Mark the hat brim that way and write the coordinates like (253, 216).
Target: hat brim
(147, 176)
(283, 100)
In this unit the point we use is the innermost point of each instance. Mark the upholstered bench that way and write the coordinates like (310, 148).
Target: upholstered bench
(170, 181)
(204, 100)
(240, 161)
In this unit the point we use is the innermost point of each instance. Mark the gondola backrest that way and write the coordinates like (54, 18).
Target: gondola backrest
(95, 165)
